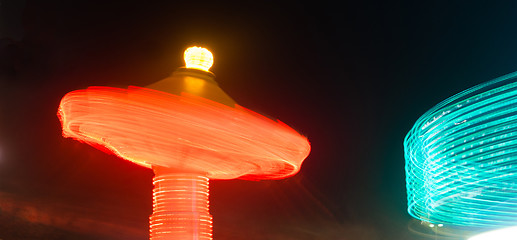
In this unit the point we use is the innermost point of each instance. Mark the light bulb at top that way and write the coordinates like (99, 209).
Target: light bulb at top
(198, 58)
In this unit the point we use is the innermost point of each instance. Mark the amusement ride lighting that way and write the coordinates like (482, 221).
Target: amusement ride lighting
(509, 233)
(188, 131)
(461, 158)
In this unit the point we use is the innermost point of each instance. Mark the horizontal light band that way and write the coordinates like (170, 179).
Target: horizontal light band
(461, 158)
(185, 133)
(180, 207)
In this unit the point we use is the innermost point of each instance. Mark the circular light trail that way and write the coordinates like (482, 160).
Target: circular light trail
(183, 133)
(461, 158)
(186, 139)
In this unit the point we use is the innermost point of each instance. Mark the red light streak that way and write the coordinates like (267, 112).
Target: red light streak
(186, 133)
(186, 140)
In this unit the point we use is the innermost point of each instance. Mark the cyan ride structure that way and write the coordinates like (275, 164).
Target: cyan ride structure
(461, 158)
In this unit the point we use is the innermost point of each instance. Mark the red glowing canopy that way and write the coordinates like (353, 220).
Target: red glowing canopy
(187, 133)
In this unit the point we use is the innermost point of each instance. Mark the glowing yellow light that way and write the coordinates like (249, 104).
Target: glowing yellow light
(198, 58)
(194, 85)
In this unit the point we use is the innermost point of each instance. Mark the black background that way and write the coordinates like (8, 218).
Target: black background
(353, 76)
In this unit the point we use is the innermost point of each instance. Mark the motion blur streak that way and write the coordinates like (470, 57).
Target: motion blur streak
(184, 133)
(186, 140)
(461, 158)
(58, 216)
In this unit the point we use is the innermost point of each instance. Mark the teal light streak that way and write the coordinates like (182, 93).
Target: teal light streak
(461, 158)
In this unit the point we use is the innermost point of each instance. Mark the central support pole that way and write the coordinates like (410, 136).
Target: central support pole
(180, 207)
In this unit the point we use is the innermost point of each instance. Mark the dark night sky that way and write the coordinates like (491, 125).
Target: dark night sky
(353, 77)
